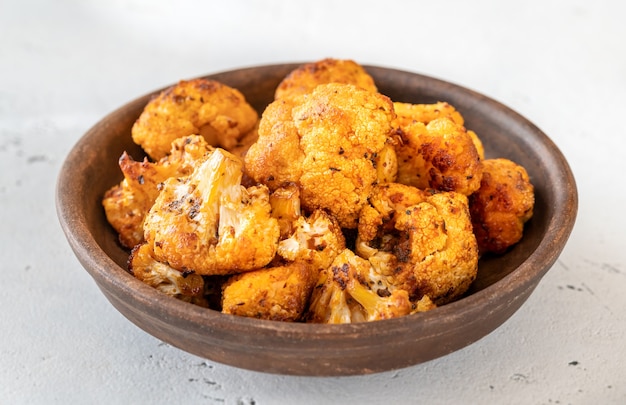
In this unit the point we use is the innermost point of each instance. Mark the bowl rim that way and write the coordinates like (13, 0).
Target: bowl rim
(95, 260)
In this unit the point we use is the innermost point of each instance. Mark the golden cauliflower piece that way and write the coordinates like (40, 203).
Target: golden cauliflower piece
(328, 145)
(408, 113)
(127, 203)
(348, 292)
(307, 77)
(502, 205)
(209, 223)
(439, 155)
(204, 107)
(285, 202)
(276, 158)
(315, 240)
(276, 293)
(188, 287)
(477, 144)
(419, 241)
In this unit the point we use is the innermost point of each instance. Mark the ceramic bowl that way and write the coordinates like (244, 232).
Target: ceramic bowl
(502, 286)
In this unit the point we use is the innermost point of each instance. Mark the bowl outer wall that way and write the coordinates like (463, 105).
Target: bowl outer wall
(302, 349)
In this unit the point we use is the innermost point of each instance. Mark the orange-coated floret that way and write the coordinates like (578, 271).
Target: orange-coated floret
(315, 240)
(277, 293)
(408, 113)
(439, 155)
(349, 291)
(502, 205)
(204, 107)
(420, 241)
(328, 144)
(209, 223)
(188, 287)
(307, 77)
(127, 203)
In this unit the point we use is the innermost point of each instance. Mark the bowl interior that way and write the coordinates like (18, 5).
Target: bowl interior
(503, 282)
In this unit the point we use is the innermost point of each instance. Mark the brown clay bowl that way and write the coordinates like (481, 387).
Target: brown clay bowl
(502, 286)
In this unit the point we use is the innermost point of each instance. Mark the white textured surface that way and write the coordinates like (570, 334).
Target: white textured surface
(65, 64)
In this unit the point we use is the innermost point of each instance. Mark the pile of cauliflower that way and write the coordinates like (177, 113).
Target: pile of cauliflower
(336, 205)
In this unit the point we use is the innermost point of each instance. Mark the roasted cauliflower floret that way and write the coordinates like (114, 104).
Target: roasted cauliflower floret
(275, 159)
(408, 113)
(127, 203)
(209, 223)
(346, 293)
(502, 205)
(188, 287)
(277, 293)
(315, 240)
(328, 145)
(420, 241)
(204, 107)
(386, 162)
(478, 144)
(285, 203)
(307, 77)
(439, 155)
